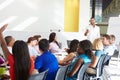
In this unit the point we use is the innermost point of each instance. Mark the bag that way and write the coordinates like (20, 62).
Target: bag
(91, 70)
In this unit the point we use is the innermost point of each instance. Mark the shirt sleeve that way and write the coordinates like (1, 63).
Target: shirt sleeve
(98, 54)
(38, 63)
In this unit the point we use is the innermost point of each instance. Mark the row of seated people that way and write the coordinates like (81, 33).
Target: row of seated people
(47, 60)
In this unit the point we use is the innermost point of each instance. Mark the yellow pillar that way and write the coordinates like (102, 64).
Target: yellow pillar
(71, 17)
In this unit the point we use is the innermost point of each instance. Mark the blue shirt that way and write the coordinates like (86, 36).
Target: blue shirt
(85, 59)
(98, 53)
(47, 61)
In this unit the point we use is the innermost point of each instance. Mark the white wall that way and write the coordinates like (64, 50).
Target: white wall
(84, 14)
(31, 17)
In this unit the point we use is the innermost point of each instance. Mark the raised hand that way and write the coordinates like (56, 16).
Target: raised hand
(3, 28)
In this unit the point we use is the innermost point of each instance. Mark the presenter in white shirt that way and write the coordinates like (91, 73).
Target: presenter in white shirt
(92, 31)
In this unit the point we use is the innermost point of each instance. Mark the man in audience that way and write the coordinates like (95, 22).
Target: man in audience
(112, 42)
(92, 31)
(9, 41)
(108, 48)
(46, 60)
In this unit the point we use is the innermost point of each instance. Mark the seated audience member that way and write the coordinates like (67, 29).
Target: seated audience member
(9, 41)
(98, 51)
(38, 37)
(72, 52)
(31, 46)
(112, 41)
(85, 55)
(46, 60)
(108, 48)
(54, 46)
(21, 65)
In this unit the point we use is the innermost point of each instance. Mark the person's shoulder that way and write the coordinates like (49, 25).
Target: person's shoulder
(97, 26)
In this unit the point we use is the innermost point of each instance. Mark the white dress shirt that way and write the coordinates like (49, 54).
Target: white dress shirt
(94, 32)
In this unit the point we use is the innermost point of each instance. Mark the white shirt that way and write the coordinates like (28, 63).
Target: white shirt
(54, 47)
(109, 50)
(94, 32)
(32, 51)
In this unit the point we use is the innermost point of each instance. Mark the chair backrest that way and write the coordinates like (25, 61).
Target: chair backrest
(61, 73)
(40, 76)
(106, 60)
(82, 71)
(100, 65)
(116, 53)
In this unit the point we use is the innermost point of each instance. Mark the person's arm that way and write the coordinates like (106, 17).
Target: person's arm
(76, 67)
(86, 32)
(95, 61)
(3, 43)
(69, 57)
(67, 60)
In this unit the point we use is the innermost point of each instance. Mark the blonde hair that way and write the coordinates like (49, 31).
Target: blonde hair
(97, 44)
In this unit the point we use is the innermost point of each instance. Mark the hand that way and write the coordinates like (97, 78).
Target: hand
(87, 31)
(3, 28)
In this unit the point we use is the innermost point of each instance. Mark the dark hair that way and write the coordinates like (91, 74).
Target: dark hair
(86, 45)
(22, 60)
(8, 39)
(44, 45)
(73, 46)
(112, 36)
(106, 36)
(31, 39)
(37, 37)
(52, 37)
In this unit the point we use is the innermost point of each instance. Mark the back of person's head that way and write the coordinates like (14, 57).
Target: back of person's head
(73, 46)
(52, 36)
(9, 40)
(86, 47)
(43, 45)
(112, 39)
(22, 62)
(97, 44)
(37, 37)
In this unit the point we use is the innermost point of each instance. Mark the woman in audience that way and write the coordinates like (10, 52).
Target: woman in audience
(46, 60)
(54, 46)
(85, 55)
(21, 65)
(72, 52)
(98, 50)
(31, 46)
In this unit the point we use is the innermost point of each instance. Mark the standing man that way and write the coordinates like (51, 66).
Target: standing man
(92, 31)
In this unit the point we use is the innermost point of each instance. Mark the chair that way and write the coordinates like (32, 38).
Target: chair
(61, 73)
(106, 60)
(82, 71)
(98, 69)
(40, 76)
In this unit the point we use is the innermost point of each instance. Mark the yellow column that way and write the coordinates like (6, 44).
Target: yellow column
(71, 17)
